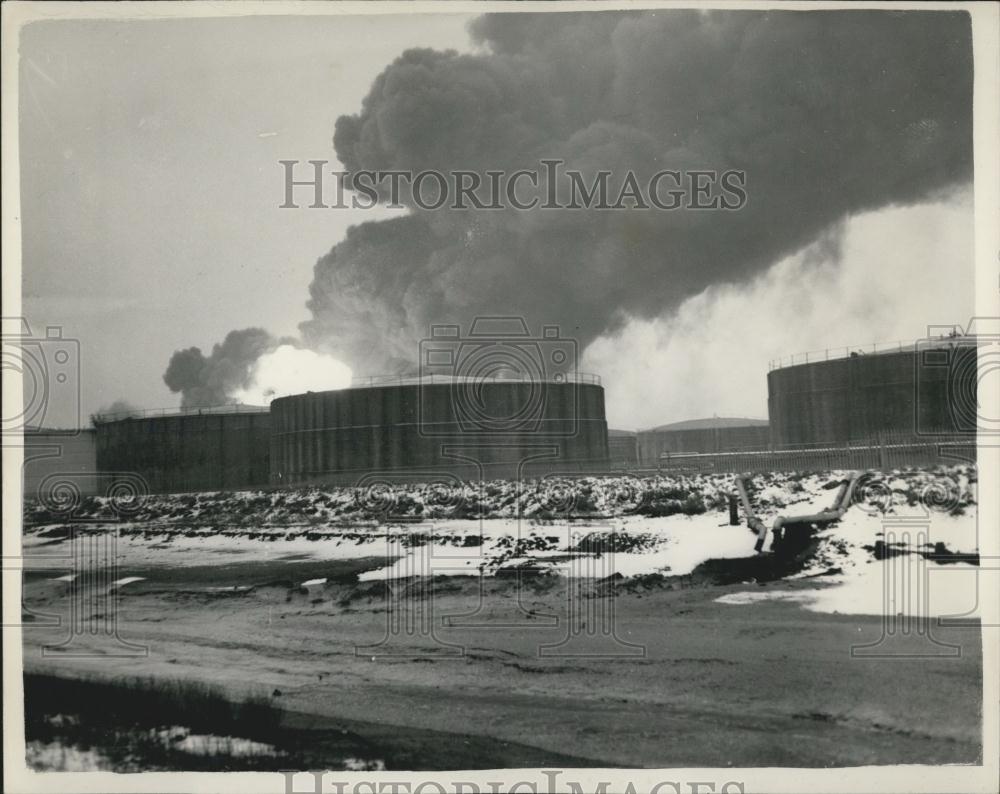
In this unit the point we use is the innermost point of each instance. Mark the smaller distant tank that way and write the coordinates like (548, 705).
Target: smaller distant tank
(717, 434)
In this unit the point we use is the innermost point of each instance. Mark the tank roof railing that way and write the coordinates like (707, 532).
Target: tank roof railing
(369, 381)
(358, 382)
(233, 408)
(871, 348)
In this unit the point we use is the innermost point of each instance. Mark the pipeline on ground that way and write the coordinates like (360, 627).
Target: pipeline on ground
(841, 503)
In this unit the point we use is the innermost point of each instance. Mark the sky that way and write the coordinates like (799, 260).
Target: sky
(150, 180)
(150, 192)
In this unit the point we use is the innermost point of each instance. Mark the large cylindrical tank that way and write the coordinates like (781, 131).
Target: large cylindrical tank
(717, 434)
(189, 451)
(918, 391)
(492, 429)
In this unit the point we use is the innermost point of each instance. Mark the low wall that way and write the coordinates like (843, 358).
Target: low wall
(54, 460)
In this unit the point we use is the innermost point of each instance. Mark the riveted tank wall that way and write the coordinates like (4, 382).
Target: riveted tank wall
(660, 441)
(340, 436)
(918, 392)
(188, 452)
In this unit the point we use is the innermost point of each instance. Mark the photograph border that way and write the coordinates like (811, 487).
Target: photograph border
(911, 778)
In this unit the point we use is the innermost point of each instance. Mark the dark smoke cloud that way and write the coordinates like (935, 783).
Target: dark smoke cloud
(829, 113)
(205, 381)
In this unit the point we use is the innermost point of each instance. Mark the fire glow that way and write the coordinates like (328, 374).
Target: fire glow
(292, 370)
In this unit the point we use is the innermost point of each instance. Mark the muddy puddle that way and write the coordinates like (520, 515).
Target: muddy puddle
(133, 725)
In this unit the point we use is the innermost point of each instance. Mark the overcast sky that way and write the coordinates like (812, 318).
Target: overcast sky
(150, 192)
(150, 181)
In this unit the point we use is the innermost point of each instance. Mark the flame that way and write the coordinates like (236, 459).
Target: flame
(292, 370)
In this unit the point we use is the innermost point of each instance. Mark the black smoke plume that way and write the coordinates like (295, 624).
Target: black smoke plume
(829, 114)
(204, 381)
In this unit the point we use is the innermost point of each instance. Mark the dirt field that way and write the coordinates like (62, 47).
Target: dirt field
(687, 681)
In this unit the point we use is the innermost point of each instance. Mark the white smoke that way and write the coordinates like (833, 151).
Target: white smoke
(892, 273)
(292, 370)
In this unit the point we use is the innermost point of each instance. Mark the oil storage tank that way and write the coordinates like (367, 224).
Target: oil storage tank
(925, 389)
(213, 449)
(623, 448)
(460, 427)
(716, 434)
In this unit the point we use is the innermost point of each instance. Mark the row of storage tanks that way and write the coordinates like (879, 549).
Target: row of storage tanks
(494, 429)
(504, 429)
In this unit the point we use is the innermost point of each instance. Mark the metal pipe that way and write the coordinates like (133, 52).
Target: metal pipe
(842, 501)
(758, 526)
(836, 511)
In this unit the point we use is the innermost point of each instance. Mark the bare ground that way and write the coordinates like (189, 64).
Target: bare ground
(685, 681)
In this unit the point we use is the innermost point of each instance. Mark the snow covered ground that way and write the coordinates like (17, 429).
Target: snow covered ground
(897, 552)
(893, 551)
